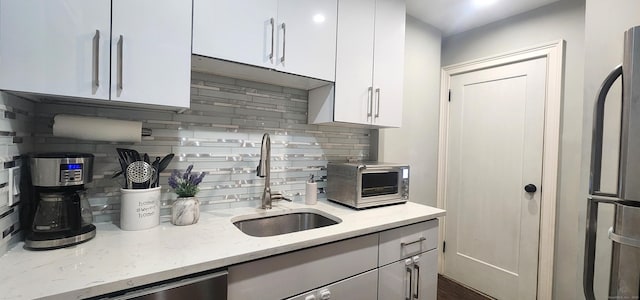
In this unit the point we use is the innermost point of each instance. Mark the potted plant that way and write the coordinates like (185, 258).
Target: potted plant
(186, 208)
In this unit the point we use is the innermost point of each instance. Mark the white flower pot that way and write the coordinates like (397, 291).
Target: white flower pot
(185, 211)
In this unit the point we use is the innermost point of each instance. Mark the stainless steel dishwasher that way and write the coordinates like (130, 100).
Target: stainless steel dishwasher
(211, 286)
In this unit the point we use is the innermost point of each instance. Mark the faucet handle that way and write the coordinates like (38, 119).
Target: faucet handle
(278, 196)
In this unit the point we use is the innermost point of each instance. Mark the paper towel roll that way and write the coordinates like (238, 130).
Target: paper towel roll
(96, 129)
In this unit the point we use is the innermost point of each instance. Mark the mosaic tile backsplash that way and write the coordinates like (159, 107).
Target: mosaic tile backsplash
(221, 135)
(16, 126)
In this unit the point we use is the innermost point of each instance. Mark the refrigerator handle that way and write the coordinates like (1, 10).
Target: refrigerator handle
(590, 243)
(598, 127)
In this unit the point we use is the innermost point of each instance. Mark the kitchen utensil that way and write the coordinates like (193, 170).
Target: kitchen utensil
(139, 172)
(162, 165)
(154, 165)
(145, 157)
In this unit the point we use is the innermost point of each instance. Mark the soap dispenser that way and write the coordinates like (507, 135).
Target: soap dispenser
(311, 195)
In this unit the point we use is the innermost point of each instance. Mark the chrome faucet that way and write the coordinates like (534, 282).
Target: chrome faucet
(264, 170)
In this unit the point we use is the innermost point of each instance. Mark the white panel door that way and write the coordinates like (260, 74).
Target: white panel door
(58, 47)
(388, 63)
(495, 138)
(151, 52)
(307, 38)
(236, 30)
(354, 61)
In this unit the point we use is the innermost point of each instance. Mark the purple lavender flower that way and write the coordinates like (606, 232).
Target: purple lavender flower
(186, 173)
(185, 184)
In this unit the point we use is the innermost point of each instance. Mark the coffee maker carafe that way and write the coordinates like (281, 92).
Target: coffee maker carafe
(62, 214)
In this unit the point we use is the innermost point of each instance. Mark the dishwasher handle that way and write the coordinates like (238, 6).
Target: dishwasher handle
(158, 292)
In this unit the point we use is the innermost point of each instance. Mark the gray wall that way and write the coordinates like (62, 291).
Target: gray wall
(562, 20)
(605, 22)
(416, 142)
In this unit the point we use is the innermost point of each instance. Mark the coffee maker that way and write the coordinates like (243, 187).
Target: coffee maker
(61, 215)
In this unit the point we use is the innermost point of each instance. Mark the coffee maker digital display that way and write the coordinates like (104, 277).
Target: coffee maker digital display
(71, 167)
(62, 215)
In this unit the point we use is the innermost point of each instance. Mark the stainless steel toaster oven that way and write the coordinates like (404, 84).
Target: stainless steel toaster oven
(367, 184)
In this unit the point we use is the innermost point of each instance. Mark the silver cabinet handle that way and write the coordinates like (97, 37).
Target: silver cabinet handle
(96, 59)
(420, 240)
(416, 295)
(370, 102)
(284, 41)
(378, 103)
(273, 28)
(409, 283)
(120, 46)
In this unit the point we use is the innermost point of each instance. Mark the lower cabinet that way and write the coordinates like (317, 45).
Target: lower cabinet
(286, 275)
(411, 278)
(359, 287)
(395, 264)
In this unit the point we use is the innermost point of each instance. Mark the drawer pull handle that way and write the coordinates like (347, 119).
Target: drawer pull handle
(420, 240)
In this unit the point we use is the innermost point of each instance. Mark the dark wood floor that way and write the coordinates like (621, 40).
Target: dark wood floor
(451, 290)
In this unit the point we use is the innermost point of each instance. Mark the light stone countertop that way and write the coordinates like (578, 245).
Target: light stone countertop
(117, 259)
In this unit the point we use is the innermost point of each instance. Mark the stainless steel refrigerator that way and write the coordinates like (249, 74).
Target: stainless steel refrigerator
(624, 281)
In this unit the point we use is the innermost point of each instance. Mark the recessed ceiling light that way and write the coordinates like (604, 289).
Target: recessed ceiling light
(482, 3)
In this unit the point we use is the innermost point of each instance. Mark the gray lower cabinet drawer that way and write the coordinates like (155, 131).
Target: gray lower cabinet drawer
(359, 287)
(403, 242)
(293, 273)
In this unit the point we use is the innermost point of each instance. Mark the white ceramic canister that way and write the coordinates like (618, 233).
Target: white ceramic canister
(139, 208)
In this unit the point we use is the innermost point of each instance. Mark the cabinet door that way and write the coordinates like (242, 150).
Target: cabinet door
(360, 287)
(302, 270)
(236, 30)
(151, 52)
(58, 47)
(307, 38)
(354, 61)
(412, 278)
(388, 63)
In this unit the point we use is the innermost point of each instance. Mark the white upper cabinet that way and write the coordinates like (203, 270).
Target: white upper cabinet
(292, 36)
(58, 47)
(242, 31)
(307, 38)
(354, 62)
(369, 66)
(388, 62)
(151, 52)
(68, 48)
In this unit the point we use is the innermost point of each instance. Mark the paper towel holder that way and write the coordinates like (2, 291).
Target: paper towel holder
(145, 131)
(74, 126)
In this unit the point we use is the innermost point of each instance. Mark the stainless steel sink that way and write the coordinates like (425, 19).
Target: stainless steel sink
(284, 223)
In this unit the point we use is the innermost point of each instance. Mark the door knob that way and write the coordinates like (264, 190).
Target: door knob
(530, 188)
